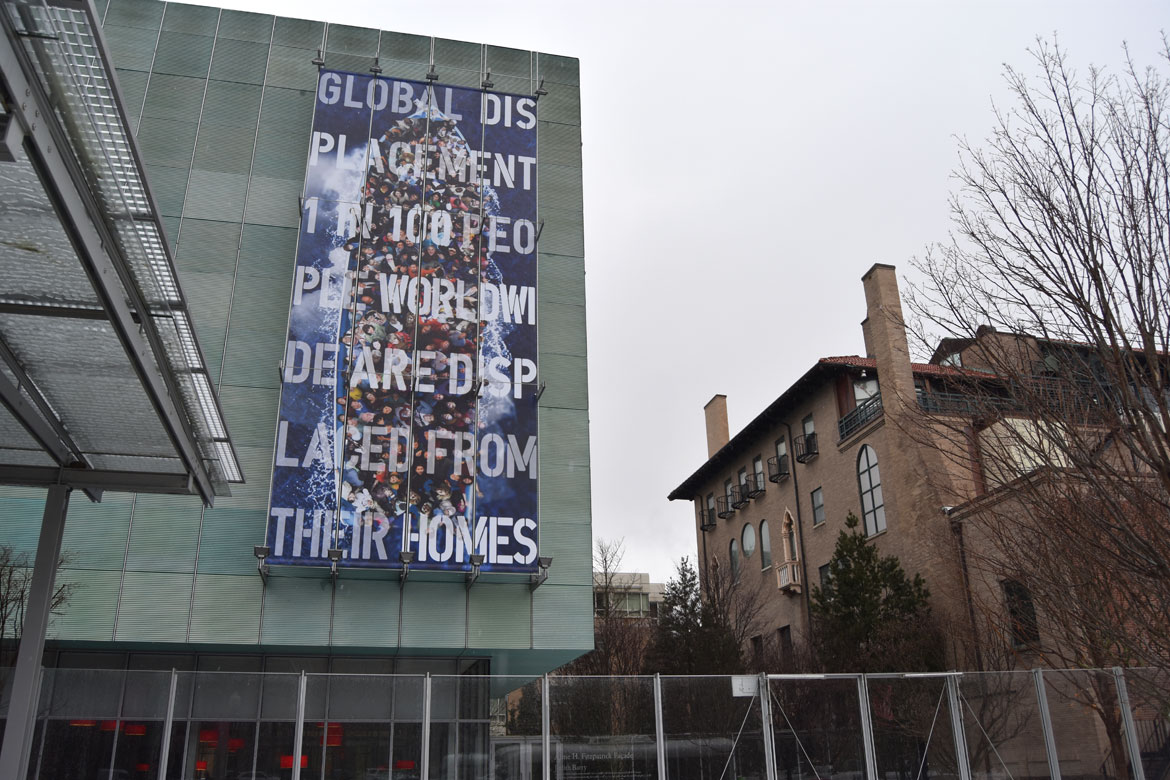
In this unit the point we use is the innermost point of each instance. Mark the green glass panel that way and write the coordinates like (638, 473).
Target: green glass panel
(216, 195)
(287, 110)
(562, 616)
(208, 247)
(209, 296)
(365, 613)
(562, 279)
(564, 232)
(561, 104)
(509, 62)
(559, 144)
(250, 413)
(88, 614)
(169, 187)
(182, 54)
(131, 47)
(282, 155)
(227, 609)
(292, 68)
(245, 26)
(229, 104)
(155, 607)
(434, 615)
(166, 141)
(132, 85)
(352, 40)
(135, 13)
(296, 611)
(274, 202)
(564, 436)
(240, 61)
(457, 54)
(299, 32)
(564, 493)
(194, 19)
(561, 70)
(227, 538)
(269, 252)
(566, 382)
(163, 534)
(559, 188)
(224, 148)
(562, 328)
(257, 465)
(95, 534)
(500, 615)
(406, 47)
(174, 97)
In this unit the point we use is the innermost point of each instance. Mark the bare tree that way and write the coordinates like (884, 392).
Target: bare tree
(15, 581)
(1054, 296)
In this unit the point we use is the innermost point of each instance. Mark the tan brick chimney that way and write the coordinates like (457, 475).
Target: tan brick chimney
(717, 432)
(885, 337)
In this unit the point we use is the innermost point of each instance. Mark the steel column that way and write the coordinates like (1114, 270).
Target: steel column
(954, 702)
(871, 771)
(545, 731)
(659, 731)
(22, 709)
(766, 727)
(425, 763)
(1046, 724)
(299, 737)
(1131, 740)
(168, 724)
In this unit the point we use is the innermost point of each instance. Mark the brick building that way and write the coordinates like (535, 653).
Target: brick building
(770, 501)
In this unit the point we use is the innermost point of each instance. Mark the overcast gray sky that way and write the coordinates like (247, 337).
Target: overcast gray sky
(745, 163)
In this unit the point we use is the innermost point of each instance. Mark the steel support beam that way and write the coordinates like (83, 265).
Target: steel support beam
(49, 152)
(659, 729)
(98, 479)
(26, 677)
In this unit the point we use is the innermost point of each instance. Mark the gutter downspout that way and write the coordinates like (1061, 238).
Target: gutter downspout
(800, 535)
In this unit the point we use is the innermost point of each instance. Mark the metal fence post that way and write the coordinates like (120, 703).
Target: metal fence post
(871, 771)
(299, 736)
(954, 700)
(425, 764)
(1046, 724)
(545, 731)
(1131, 740)
(766, 727)
(168, 724)
(659, 731)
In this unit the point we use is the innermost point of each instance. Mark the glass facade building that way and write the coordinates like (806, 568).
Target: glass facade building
(222, 106)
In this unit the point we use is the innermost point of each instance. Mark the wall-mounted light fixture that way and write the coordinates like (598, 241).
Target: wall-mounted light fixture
(262, 551)
(407, 557)
(473, 575)
(536, 580)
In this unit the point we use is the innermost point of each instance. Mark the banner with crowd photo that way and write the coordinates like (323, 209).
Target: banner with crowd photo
(408, 395)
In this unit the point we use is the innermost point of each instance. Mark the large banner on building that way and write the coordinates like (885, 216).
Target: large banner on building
(408, 401)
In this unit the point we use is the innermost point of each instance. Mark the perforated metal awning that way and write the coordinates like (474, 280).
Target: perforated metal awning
(103, 383)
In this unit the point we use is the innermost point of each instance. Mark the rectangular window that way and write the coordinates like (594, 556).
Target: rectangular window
(757, 646)
(781, 448)
(818, 506)
(807, 425)
(710, 507)
(823, 571)
(727, 488)
(742, 476)
(1021, 614)
(864, 389)
(758, 470)
(784, 636)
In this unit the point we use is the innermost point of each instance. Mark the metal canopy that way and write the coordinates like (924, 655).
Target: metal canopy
(102, 382)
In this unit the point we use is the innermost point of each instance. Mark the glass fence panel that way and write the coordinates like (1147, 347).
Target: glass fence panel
(226, 695)
(1149, 700)
(602, 727)
(76, 749)
(912, 727)
(147, 694)
(515, 712)
(816, 728)
(712, 728)
(83, 693)
(1001, 721)
(460, 720)
(1086, 723)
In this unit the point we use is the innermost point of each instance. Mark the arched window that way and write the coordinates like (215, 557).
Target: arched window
(733, 554)
(789, 531)
(749, 540)
(765, 545)
(869, 483)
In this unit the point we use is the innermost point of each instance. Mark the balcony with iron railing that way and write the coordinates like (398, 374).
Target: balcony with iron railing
(851, 423)
(805, 447)
(754, 486)
(707, 519)
(778, 468)
(723, 508)
(739, 498)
